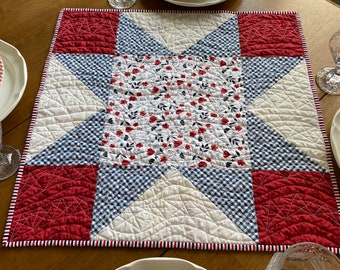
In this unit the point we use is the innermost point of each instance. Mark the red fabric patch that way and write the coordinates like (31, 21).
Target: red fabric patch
(55, 203)
(87, 32)
(269, 35)
(294, 207)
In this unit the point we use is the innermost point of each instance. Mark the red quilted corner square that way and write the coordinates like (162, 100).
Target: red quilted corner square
(87, 32)
(294, 207)
(55, 202)
(270, 35)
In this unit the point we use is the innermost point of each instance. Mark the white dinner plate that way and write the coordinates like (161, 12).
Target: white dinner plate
(335, 136)
(14, 78)
(195, 3)
(161, 263)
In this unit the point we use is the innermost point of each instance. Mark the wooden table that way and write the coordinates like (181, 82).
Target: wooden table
(29, 26)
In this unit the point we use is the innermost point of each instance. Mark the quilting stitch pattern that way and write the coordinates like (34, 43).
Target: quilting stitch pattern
(166, 124)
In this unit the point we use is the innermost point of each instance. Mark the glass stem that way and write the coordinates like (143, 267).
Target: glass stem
(337, 67)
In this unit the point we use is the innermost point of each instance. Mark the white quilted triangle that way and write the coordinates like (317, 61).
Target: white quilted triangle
(174, 30)
(288, 107)
(173, 210)
(64, 103)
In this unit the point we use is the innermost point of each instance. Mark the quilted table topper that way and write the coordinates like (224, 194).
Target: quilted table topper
(176, 130)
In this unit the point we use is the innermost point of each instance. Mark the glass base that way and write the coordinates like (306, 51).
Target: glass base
(121, 4)
(9, 161)
(328, 81)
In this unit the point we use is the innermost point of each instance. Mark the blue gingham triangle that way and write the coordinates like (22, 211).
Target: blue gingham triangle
(223, 42)
(231, 192)
(93, 70)
(131, 39)
(117, 188)
(79, 146)
(270, 151)
(261, 73)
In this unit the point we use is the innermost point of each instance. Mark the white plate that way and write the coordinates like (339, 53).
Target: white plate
(161, 263)
(195, 3)
(335, 136)
(14, 79)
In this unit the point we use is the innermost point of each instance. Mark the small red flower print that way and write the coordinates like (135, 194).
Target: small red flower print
(201, 130)
(142, 113)
(179, 111)
(150, 152)
(193, 103)
(201, 72)
(177, 143)
(202, 164)
(145, 83)
(238, 115)
(223, 63)
(182, 76)
(192, 134)
(236, 97)
(136, 124)
(104, 143)
(135, 71)
(241, 162)
(212, 114)
(224, 121)
(240, 148)
(181, 105)
(123, 101)
(170, 57)
(189, 84)
(157, 62)
(224, 91)
(152, 119)
(226, 154)
(132, 98)
(180, 82)
(139, 145)
(165, 126)
(108, 110)
(125, 162)
(168, 84)
(188, 114)
(127, 74)
(235, 58)
(113, 80)
(129, 129)
(106, 135)
(238, 128)
(193, 74)
(139, 94)
(112, 145)
(164, 145)
(212, 58)
(201, 100)
(214, 147)
(119, 132)
(234, 69)
(164, 159)
(117, 113)
(213, 85)
(133, 157)
(148, 57)
(166, 113)
(236, 85)
(168, 68)
(181, 57)
(208, 125)
(155, 89)
(121, 84)
(142, 67)
(111, 104)
(187, 146)
(207, 68)
(208, 159)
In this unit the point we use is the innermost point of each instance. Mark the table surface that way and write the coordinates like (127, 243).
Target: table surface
(29, 26)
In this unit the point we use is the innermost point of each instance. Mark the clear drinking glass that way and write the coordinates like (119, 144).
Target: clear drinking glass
(328, 78)
(121, 3)
(9, 159)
